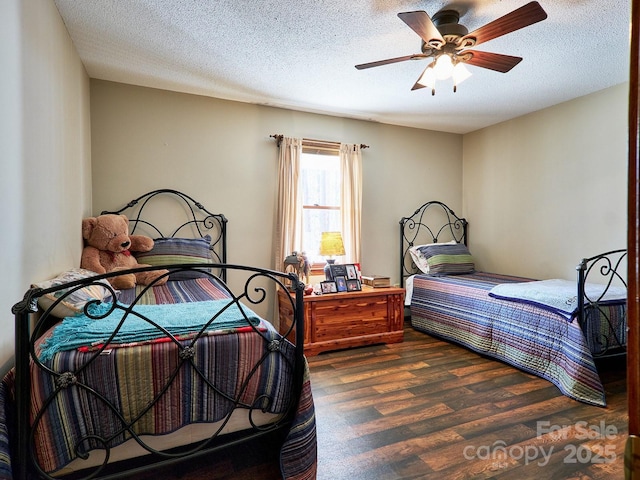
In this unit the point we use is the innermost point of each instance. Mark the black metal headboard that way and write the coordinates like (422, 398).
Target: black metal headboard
(199, 221)
(433, 222)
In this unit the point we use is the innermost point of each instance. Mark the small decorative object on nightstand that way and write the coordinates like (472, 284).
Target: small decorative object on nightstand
(330, 244)
(376, 281)
(297, 263)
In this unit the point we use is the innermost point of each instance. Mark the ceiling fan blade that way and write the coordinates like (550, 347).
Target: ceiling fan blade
(492, 61)
(420, 23)
(522, 17)
(416, 56)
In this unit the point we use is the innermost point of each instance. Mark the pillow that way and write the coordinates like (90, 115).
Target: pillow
(73, 303)
(448, 259)
(168, 251)
(420, 260)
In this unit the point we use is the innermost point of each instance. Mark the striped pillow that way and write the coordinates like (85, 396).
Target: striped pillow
(446, 259)
(73, 299)
(169, 251)
(419, 259)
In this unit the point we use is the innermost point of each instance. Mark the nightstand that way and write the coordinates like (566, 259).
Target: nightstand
(349, 319)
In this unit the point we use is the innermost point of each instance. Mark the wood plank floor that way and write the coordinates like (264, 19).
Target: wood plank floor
(428, 409)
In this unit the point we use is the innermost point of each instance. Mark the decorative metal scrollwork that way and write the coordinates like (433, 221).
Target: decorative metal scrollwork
(187, 353)
(416, 229)
(66, 380)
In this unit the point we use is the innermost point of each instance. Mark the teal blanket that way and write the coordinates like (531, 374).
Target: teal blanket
(177, 319)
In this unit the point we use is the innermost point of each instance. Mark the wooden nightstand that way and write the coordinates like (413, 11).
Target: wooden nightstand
(349, 319)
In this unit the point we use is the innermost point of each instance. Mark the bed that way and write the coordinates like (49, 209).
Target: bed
(555, 329)
(108, 382)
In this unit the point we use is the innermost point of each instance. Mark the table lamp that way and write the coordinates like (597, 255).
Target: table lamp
(330, 245)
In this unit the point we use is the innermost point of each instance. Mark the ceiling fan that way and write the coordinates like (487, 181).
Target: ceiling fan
(448, 42)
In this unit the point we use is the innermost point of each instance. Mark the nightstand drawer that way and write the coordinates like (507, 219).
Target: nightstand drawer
(350, 317)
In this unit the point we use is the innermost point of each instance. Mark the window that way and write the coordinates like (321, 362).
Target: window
(320, 179)
(331, 184)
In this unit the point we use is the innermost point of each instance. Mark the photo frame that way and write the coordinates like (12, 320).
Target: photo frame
(358, 271)
(351, 271)
(353, 285)
(341, 283)
(328, 286)
(337, 270)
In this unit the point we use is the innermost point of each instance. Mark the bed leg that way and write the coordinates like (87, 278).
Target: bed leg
(22, 386)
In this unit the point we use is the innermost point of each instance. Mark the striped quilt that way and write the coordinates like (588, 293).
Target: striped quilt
(458, 308)
(220, 372)
(196, 290)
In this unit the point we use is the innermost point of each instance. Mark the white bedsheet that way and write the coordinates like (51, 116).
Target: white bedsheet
(408, 287)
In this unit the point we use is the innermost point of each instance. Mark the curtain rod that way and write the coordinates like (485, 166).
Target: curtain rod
(278, 137)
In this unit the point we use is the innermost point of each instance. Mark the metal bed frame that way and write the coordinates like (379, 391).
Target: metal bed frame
(607, 268)
(29, 327)
(435, 222)
(428, 224)
(199, 219)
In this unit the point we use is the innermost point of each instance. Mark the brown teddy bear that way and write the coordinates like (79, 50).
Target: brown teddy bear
(108, 248)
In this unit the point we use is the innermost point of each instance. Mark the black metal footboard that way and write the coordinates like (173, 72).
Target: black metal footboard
(603, 320)
(69, 397)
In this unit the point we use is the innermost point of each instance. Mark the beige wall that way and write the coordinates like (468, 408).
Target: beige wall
(46, 161)
(558, 175)
(220, 153)
(547, 189)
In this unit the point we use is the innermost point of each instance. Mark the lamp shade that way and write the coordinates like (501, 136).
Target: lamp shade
(428, 78)
(460, 73)
(331, 244)
(444, 67)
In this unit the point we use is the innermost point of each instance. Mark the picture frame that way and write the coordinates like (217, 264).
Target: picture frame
(328, 286)
(352, 273)
(337, 270)
(353, 285)
(358, 271)
(341, 283)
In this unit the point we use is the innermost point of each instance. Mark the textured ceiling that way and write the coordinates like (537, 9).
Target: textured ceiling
(300, 54)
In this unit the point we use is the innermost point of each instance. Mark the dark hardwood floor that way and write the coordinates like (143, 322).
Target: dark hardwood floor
(428, 409)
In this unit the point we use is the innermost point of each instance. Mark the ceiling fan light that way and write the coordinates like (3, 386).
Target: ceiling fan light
(460, 73)
(428, 78)
(444, 67)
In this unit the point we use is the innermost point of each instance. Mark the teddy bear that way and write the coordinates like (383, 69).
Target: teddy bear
(109, 247)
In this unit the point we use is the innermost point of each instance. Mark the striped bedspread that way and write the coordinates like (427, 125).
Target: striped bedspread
(203, 384)
(538, 341)
(195, 290)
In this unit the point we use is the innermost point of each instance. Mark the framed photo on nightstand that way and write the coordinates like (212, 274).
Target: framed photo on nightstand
(352, 273)
(353, 285)
(358, 271)
(328, 287)
(338, 270)
(341, 283)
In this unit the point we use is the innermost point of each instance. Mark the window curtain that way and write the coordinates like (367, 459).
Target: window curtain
(288, 230)
(351, 200)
